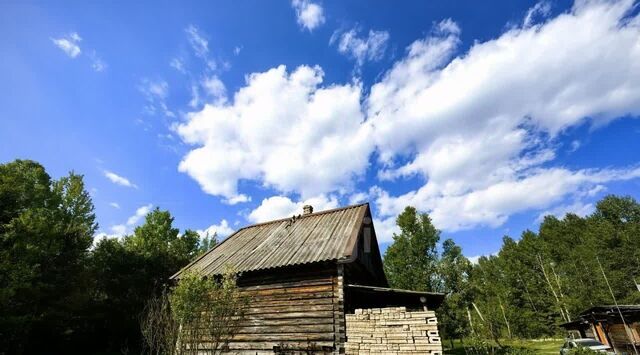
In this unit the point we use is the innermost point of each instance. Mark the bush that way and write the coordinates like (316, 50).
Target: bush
(201, 314)
(480, 346)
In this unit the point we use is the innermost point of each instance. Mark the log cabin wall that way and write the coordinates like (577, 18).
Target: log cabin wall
(621, 336)
(292, 310)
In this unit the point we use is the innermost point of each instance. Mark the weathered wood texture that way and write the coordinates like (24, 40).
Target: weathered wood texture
(290, 311)
(338, 317)
(622, 336)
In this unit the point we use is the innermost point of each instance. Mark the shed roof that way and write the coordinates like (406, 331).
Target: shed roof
(601, 312)
(315, 237)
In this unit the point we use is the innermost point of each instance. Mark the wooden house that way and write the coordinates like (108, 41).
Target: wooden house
(605, 324)
(311, 274)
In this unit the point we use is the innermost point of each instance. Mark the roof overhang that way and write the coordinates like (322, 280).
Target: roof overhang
(378, 297)
(575, 325)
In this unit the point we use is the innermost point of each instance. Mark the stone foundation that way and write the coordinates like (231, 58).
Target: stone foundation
(392, 330)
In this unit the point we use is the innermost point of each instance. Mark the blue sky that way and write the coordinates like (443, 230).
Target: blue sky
(485, 115)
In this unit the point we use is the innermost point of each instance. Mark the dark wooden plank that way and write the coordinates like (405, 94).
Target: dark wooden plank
(269, 345)
(298, 302)
(286, 291)
(288, 274)
(268, 329)
(292, 307)
(304, 337)
(291, 297)
(290, 321)
(312, 282)
(316, 314)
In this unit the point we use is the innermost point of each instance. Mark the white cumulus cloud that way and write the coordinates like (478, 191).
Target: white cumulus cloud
(539, 10)
(480, 127)
(277, 207)
(361, 49)
(310, 15)
(283, 129)
(220, 230)
(214, 87)
(493, 204)
(120, 230)
(141, 212)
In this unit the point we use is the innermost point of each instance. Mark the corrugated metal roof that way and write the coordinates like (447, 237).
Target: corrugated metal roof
(321, 236)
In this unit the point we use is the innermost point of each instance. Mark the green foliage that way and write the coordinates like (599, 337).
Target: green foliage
(131, 271)
(549, 277)
(209, 309)
(201, 314)
(533, 284)
(481, 346)
(207, 242)
(46, 229)
(58, 291)
(158, 237)
(187, 298)
(477, 346)
(583, 351)
(411, 261)
(454, 271)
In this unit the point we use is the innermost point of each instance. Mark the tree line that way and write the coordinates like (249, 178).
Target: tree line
(533, 284)
(60, 293)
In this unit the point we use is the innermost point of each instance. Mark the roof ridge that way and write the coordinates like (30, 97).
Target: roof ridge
(332, 210)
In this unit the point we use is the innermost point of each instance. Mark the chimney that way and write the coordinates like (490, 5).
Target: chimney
(307, 209)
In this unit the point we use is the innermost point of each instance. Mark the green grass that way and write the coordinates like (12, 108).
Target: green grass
(539, 346)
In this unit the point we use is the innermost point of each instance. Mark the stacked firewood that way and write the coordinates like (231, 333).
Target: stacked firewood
(392, 330)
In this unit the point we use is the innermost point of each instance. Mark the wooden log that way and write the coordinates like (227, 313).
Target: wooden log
(314, 314)
(290, 297)
(268, 329)
(269, 345)
(287, 291)
(289, 308)
(279, 322)
(304, 337)
(300, 302)
(301, 283)
(293, 275)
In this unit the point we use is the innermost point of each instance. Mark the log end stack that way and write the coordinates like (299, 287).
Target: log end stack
(392, 330)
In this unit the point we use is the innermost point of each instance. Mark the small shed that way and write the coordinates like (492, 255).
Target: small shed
(312, 275)
(605, 324)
